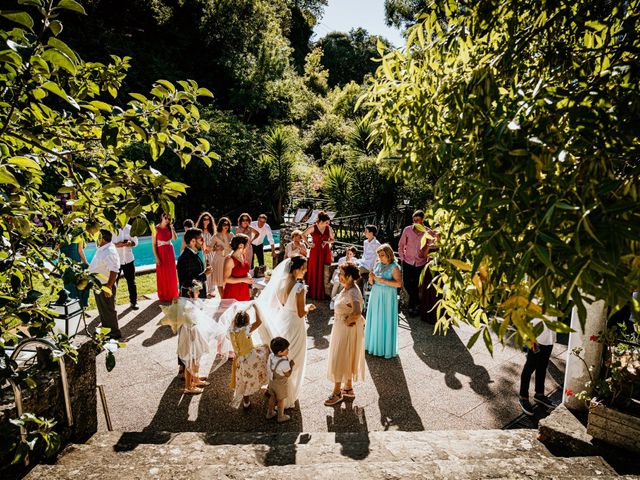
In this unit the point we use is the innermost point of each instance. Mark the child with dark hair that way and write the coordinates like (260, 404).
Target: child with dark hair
(280, 368)
(249, 368)
(186, 225)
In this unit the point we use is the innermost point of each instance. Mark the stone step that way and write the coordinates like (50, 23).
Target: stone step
(515, 468)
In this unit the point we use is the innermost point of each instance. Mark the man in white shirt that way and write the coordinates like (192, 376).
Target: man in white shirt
(106, 265)
(264, 230)
(124, 243)
(369, 255)
(538, 354)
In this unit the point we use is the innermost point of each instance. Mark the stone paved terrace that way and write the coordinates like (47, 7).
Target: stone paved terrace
(434, 384)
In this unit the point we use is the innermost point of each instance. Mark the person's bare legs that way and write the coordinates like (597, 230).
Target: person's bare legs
(282, 417)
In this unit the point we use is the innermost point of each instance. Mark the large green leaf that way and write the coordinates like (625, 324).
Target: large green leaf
(22, 18)
(71, 5)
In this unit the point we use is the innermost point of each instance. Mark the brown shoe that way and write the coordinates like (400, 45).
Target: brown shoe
(333, 399)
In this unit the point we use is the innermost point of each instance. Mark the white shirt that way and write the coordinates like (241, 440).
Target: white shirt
(281, 369)
(125, 253)
(547, 336)
(265, 231)
(369, 255)
(105, 261)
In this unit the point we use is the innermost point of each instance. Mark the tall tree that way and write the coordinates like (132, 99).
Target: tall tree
(526, 111)
(59, 124)
(349, 56)
(403, 13)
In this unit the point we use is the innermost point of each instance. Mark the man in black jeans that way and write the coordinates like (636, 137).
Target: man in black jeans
(537, 361)
(124, 243)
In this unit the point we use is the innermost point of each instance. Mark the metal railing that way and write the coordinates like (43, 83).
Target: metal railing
(17, 391)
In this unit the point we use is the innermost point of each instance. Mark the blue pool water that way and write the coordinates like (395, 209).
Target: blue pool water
(143, 253)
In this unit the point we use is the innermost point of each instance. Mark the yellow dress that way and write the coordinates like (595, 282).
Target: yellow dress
(249, 368)
(346, 347)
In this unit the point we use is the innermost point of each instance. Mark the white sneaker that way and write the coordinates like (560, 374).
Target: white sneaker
(331, 304)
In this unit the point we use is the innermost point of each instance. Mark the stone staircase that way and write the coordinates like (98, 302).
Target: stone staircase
(463, 454)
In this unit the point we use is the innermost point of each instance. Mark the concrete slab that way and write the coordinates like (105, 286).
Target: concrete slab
(434, 384)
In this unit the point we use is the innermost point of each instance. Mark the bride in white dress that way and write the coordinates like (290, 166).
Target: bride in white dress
(283, 308)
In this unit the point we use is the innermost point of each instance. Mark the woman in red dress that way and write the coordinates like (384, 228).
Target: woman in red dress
(320, 254)
(236, 271)
(166, 276)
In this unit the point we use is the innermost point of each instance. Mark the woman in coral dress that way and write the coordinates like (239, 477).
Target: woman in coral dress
(166, 276)
(236, 271)
(222, 248)
(346, 347)
(320, 254)
(208, 227)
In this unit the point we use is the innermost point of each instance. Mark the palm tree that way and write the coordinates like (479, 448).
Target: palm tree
(278, 158)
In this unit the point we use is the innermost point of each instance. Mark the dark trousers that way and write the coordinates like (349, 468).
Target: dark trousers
(410, 280)
(128, 270)
(536, 362)
(258, 252)
(107, 311)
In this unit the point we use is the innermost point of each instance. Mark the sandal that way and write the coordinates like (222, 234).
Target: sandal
(192, 391)
(333, 399)
(348, 393)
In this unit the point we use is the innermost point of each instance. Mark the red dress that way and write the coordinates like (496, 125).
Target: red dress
(319, 256)
(239, 291)
(166, 275)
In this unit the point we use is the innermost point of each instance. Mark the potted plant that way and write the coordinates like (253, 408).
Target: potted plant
(614, 404)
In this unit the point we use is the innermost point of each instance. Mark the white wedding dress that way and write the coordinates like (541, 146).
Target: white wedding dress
(282, 320)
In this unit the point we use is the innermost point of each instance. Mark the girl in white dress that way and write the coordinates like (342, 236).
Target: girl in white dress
(283, 308)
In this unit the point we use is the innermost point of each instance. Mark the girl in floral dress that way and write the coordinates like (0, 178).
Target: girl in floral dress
(249, 368)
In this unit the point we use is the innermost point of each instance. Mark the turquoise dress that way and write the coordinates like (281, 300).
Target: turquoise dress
(381, 329)
(70, 250)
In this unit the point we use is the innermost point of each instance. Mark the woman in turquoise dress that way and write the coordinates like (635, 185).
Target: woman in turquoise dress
(381, 329)
(74, 251)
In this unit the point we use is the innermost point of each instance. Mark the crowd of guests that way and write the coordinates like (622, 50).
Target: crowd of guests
(218, 258)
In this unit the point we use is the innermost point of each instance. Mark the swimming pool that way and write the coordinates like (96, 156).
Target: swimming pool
(143, 253)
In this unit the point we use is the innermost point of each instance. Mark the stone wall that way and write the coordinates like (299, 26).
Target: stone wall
(47, 400)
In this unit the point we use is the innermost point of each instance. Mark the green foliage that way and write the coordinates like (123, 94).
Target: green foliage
(328, 129)
(336, 187)
(277, 160)
(240, 146)
(403, 13)
(344, 100)
(526, 112)
(315, 77)
(58, 118)
(349, 56)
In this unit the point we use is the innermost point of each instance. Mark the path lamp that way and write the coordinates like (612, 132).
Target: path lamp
(68, 314)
